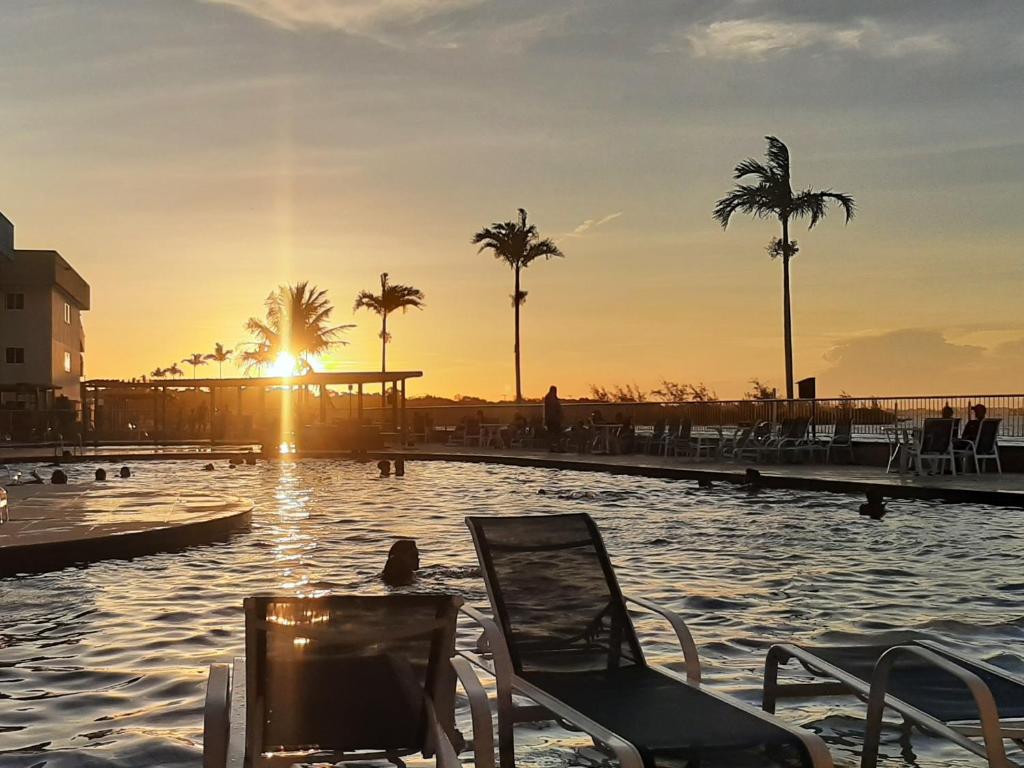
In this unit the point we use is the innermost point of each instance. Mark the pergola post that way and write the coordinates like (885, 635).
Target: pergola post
(323, 404)
(213, 409)
(394, 407)
(84, 389)
(403, 427)
(359, 403)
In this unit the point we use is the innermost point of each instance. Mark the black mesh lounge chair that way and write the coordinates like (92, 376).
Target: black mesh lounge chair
(562, 636)
(979, 442)
(936, 445)
(942, 692)
(342, 677)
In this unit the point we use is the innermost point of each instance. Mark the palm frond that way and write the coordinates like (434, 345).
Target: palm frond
(814, 205)
(778, 158)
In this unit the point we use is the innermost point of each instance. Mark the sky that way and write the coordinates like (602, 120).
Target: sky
(187, 156)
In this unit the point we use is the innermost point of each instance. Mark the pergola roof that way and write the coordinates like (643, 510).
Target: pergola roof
(323, 378)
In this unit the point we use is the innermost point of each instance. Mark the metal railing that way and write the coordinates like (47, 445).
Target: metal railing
(869, 415)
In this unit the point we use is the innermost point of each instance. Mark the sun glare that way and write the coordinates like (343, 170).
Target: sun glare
(285, 365)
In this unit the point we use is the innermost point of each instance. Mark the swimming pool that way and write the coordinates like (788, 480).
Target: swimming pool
(105, 665)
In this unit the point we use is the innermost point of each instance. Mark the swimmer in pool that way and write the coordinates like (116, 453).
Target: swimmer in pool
(403, 562)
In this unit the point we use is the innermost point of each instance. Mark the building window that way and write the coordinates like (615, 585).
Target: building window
(67, 313)
(67, 362)
(14, 301)
(15, 355)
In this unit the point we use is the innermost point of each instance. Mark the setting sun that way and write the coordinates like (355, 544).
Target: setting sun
(285, 365)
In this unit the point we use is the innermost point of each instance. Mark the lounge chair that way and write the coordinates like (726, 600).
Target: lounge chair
(841, 439)
(680, 441)
(340, 677)
(980, 443)
(935, 445)
(562, 636)
(733, 446)
(942, 692)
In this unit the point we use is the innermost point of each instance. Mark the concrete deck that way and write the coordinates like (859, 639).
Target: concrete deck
(987, 488)
(52, 527)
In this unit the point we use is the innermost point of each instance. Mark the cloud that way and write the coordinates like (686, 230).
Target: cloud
(920, 362)
(357, 17)
(760, 39)
(590, 224)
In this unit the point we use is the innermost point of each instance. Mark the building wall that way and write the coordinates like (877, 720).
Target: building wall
(67, 339)
(28, 328)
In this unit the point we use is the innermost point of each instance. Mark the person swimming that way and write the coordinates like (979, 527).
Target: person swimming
(385, 467)
(402, 564)
(101, 475)
(125, 472)
(59, 477)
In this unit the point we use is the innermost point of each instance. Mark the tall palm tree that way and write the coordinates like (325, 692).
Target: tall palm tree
(174, 370)
(391, 298)
(297, 322)
(220, 356)
(772, 196)
(518, 244)
(195, 360)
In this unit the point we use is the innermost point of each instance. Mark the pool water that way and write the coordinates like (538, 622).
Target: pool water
(106, 665)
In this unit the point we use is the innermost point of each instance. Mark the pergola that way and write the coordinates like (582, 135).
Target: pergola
(93, 390)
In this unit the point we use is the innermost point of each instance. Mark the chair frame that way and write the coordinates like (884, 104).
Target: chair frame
(940, 457)
(549, 707)
(875, 693)
(224, 725)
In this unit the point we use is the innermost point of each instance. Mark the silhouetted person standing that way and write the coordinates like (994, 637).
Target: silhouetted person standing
(553, 417)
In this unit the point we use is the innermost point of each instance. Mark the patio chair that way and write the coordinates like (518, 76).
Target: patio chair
(562, 636)
(761, 438)
(935, 445)
(342, 678)
(733, 446)
(942, 692)
(980, 443)
(841, 439)
(793, 441)
(680, 441)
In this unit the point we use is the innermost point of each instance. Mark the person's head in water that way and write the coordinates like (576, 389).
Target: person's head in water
(403, 562)
(58, 477)
(101, 474)
(385, 467)
(399, 467)
(125, 472)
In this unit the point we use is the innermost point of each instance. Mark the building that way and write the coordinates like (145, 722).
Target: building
(42, 343)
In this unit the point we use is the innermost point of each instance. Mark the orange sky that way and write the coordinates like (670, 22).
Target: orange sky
(188, 157)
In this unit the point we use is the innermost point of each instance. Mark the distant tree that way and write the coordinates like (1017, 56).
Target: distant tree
(760, 391)
(297, 323)
(174, 370)
(195, 360)
(220, 356)
(674, 392)
(391, 298)
(518, 244)
(158, 373)
(772, 196)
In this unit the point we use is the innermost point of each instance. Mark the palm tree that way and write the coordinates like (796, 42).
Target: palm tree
(256, 359)
(518, 244)
(772, 196)
(157, 373)
(195, 360)
(298, 323)
(220, 356)
(391, 298)
(174, 370)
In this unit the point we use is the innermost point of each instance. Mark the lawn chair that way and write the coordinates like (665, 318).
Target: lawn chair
(732, 447)
(935, 446)
(342, 678)
(841, 439)
(942, 692)
(680, 442)
(562, 636)
(793, 441)
(979, 443)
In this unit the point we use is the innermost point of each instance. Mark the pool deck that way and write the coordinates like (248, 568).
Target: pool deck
(988, 488)
(52, 527)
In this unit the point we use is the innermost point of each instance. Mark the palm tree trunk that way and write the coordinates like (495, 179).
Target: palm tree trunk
(383, 358)
(516, 302)
(787, 316)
